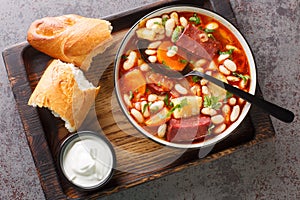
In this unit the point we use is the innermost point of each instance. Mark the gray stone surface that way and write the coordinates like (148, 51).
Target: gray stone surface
(266, 171)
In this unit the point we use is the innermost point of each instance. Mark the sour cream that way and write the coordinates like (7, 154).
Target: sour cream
(87, 160)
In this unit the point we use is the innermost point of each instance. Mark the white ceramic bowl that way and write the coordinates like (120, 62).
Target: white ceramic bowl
(244, 45)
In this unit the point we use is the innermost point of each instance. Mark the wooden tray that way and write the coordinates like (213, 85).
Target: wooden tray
(139, 159)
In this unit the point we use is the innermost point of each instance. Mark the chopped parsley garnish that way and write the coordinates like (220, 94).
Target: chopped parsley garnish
(244, 77)
(196, 79)
(157, 23)
(210, 128)
(195, 19)
(228, 95)
(164, 64)
(166, 100)
(183, 61)
(130, 95)
(124, 57)
(145, 107)
(164, 19)
(209, 30)
(212, 102)
(230, 51)
(178, 106)
(210, 36)
(176, 33)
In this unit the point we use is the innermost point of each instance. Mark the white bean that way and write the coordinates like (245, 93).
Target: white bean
(226, 112)
(174, 16)
(127, 100)
(145, 108)
(199, 69)
(129, 63)
(212, 26)
(223, 57)
(165, 16)
(196, 90)
(152, 97)
(200, 63)
(228, 47)
(144, 67)
(226, 109)
(208, 111)
(220, 128)
(137, 115)
(183, 21)
(137, 105)
(158, 28)
(235, 113)
(154, 45)
(179, 88)
(203, 82)
(205, 90)
(153, 21)
(243, 84)
(232, 101)
(203, 37)
(229, 64)
(213, 112)
(212, 66)
(232, 78)
(217, 119)
(224, 70)
(205, 111)
(152, 59)
(150, 52)
(156, 106)
(241, 101)
(172, 51)
(169, 26)
(161, 131)
(209, 73)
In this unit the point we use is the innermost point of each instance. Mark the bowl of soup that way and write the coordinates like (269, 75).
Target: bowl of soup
(189, 112)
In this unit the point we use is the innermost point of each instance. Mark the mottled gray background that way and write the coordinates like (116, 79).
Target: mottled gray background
(270, 170)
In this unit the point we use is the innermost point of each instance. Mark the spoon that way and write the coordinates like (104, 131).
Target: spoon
(270, 108)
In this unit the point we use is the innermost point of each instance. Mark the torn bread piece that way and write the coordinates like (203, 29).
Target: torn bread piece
(71, 38)
(65, 91)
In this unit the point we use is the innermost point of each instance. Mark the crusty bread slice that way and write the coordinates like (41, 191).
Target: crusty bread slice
(65, 91)
(70, 38)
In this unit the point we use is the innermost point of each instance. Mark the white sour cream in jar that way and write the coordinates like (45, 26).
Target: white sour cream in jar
(87, 161)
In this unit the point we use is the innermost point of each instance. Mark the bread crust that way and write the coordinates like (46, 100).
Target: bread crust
(70, 38)
(58, 91)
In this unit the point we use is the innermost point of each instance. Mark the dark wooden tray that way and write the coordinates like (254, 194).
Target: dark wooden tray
(139, 159)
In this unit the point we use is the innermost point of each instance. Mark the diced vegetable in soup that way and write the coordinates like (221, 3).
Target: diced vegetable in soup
(190, 109)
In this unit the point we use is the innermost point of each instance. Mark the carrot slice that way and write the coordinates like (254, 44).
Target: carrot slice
(176, 62)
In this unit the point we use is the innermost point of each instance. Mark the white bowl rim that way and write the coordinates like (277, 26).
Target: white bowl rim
(237, 34)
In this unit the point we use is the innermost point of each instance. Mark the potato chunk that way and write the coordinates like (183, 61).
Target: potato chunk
(134, 81)
(189, 106)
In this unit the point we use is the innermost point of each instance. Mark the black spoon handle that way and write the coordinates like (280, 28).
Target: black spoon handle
(274, 110)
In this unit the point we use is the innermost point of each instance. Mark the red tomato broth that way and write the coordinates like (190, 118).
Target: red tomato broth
(156, 88)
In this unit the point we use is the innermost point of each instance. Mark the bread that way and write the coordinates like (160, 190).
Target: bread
(70, 38)
(65, 91)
